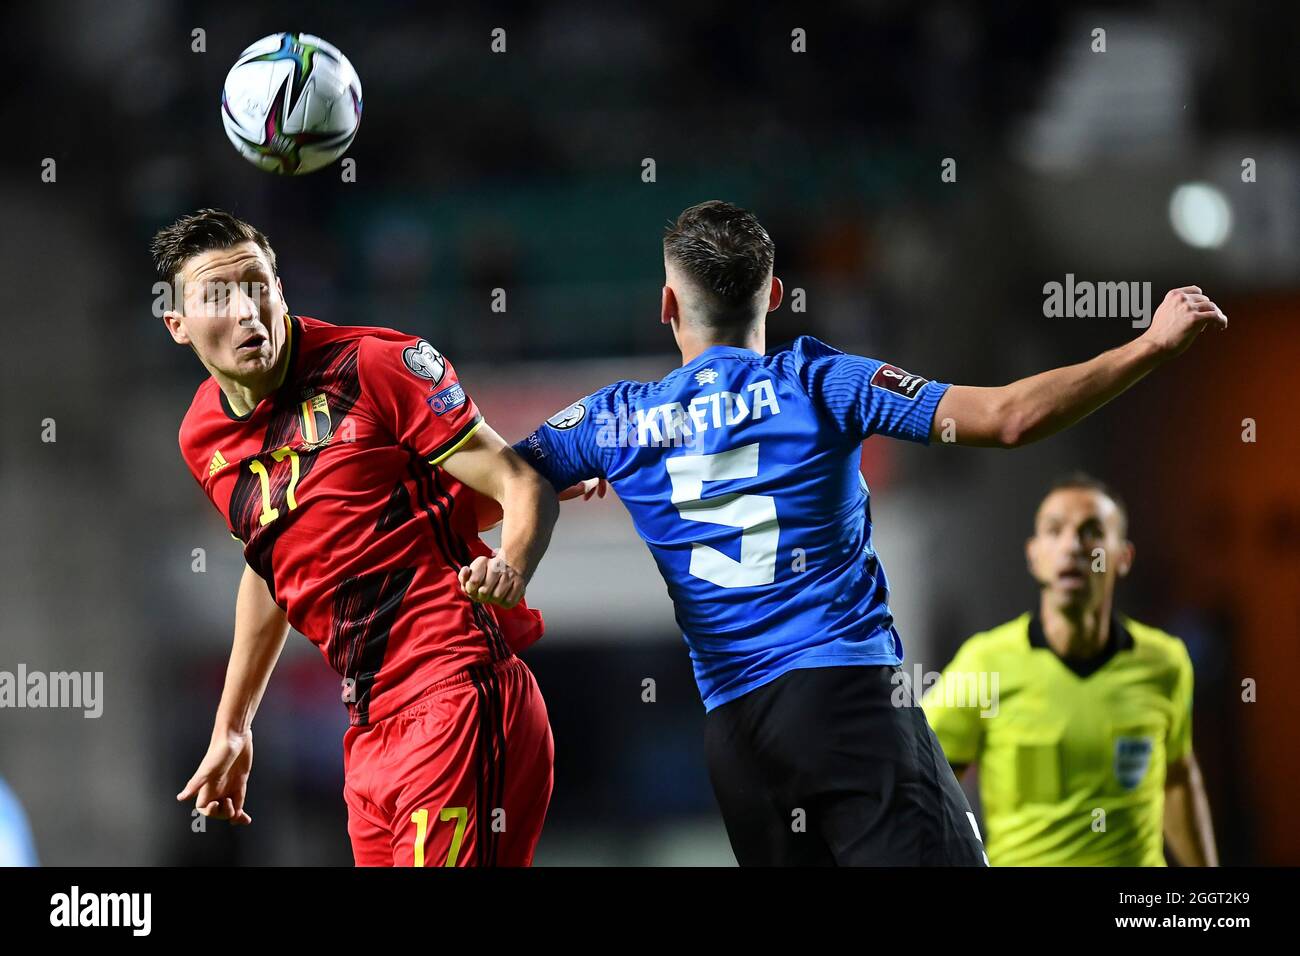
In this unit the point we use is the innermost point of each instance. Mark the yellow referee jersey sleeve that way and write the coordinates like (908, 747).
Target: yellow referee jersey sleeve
(1180, 733)
(953, 704)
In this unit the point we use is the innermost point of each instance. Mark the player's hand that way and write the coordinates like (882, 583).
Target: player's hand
(1181, 317)
(592, 486)
(492, 581)
(221, 781)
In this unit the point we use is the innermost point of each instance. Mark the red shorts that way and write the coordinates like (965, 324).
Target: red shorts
(460, 778)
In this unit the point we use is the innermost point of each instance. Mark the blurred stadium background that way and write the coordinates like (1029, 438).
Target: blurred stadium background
(523, 171)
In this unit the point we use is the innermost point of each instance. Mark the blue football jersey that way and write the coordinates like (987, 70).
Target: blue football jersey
(741, 472)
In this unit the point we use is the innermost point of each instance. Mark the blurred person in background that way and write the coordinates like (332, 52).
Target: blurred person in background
(1084, 746)
(17, 848)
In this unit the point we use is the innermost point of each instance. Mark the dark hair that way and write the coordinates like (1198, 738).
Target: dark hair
(200, 232)
(724, 249)
(1081, 479)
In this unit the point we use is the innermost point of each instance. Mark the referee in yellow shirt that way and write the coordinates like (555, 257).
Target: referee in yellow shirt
(1078, 717)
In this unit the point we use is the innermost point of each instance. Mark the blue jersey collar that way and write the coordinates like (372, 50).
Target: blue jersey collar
(721, 351)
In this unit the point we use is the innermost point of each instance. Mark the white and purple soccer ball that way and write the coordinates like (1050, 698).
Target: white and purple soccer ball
(291, 103)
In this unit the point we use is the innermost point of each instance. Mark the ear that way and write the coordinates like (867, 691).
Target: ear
(175, 327)
(775, 295)
(1029, 560)
(279, 287)
(1126, 558)
(668, 307)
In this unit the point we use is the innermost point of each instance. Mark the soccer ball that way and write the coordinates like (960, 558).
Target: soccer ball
(292, 103)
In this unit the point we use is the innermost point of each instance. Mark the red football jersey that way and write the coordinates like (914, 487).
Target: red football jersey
(332, 483)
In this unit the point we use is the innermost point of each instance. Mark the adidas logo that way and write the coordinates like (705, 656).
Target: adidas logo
(216, 464)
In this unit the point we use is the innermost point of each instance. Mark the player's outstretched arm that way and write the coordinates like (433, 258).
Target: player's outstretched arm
(1041, 405)
(1189, 831)
(529, 509)
(220, 783)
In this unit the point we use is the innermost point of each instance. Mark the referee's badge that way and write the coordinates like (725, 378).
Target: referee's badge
(314, 421)
(1132, 758)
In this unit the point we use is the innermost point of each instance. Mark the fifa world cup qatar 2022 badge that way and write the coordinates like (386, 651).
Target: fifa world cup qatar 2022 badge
(894, 379)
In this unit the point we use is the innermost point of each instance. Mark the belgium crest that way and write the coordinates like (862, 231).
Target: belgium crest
(314, 419)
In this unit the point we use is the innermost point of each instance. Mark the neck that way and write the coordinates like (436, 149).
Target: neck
(244, 394)
(694, 342)
(1076, 633)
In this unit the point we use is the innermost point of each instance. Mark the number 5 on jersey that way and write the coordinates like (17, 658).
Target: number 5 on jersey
(755, 515)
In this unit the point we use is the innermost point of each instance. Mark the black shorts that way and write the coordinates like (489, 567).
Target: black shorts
(838, 766)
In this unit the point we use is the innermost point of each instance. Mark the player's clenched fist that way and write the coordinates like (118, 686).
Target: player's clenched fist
(492, 581)
(1181, 317)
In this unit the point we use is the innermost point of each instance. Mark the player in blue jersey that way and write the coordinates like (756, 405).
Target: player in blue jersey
(741, 473)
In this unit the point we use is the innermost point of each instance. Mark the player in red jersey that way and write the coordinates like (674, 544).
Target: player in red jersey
(349, 461)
